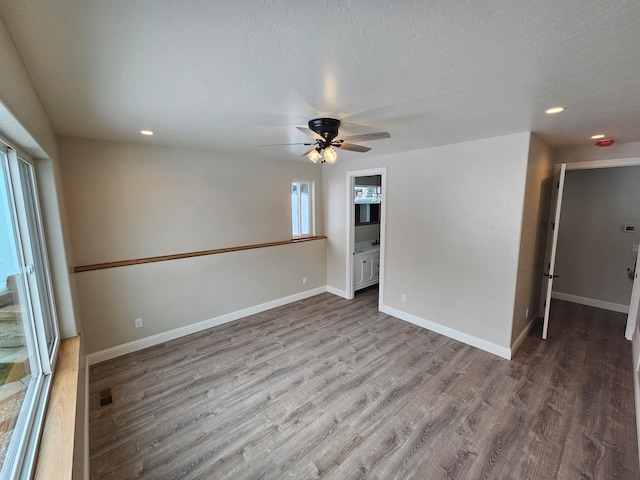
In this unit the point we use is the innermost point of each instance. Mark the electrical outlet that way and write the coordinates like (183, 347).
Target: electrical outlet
(138, 322)
(304, 280)
(635, 247)
(403, 298)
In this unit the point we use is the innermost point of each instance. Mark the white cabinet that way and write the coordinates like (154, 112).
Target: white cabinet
(366, 269)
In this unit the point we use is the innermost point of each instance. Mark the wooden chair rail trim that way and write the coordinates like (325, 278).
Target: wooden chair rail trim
(178, 256)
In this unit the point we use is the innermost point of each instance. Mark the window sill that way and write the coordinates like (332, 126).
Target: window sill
(55, 456)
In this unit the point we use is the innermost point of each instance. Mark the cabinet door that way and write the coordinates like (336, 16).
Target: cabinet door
(358, 271)
(367, 268)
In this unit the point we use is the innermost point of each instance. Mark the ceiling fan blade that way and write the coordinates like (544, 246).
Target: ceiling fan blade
(365, 137)
(310, 133)
(352, 147)
(280, 144)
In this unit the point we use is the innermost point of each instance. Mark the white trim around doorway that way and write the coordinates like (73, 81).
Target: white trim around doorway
(350, 227)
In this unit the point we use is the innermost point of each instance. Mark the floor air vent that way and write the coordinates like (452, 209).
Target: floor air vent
(106, 398)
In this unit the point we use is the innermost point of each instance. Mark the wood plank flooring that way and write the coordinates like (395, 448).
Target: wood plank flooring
(333, 389)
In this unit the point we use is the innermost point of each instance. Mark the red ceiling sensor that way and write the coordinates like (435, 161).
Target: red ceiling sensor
(607, 142)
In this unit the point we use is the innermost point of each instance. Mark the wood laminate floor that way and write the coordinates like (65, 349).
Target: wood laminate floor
(333, 389)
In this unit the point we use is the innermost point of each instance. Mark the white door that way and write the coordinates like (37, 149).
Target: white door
(632, 319)
(552, 244)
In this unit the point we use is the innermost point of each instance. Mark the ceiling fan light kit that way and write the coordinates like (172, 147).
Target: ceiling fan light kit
(324, 131)
(326, 155)
(314, 155)
(330, 155)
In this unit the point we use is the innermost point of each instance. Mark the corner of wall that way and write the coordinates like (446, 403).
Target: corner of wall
(540, 163)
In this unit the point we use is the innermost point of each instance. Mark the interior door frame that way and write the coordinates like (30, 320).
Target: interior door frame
(634, 305)
(634, 302)
(351, 228)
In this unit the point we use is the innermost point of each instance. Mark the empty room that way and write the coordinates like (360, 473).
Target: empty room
(333, 239)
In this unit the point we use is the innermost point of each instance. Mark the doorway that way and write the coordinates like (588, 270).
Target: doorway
(574, 225)
(365, 229)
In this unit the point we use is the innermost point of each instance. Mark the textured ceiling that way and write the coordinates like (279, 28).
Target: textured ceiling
(231, 76)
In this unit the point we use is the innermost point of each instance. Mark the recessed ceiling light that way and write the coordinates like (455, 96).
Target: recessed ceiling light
(600, 135)
(554, 110)
(146, 132)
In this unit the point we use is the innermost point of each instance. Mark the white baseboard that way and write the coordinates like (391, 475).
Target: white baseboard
(523, 334)
(449, 332)
(339, 293)
(591, 302)
(159, 338)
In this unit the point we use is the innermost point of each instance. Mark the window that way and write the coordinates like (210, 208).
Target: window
(367, 194)
(302, 222)
(367, 200)
(28, 328)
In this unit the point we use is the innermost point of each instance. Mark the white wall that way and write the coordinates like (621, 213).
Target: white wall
(453, 223)
(129, 201)
(179, 293)
(23, 117)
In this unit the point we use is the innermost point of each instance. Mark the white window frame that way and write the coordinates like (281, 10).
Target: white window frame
(20, 458)
(298, 212)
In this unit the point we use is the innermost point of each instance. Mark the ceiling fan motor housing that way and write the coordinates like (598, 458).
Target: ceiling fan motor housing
(325, 127)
